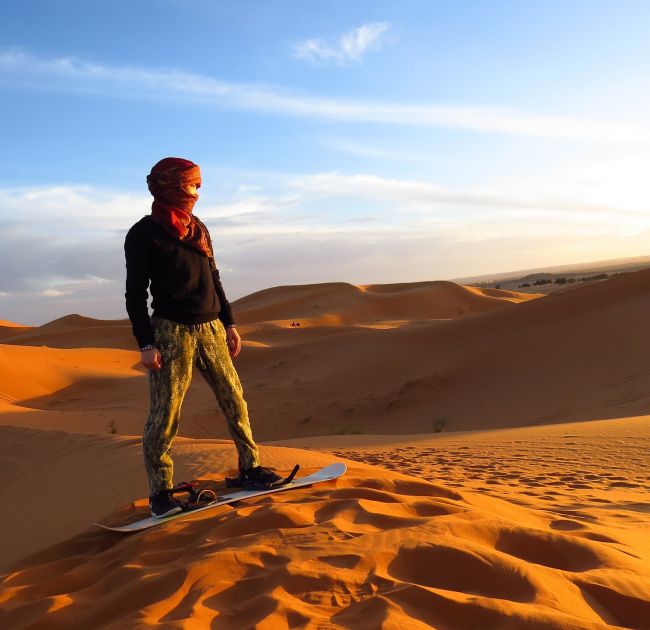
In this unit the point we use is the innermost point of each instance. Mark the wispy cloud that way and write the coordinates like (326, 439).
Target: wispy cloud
(363, 150)
(426, 196)
(67, 74)
(350, 46)
(85, 210)
(76, 287)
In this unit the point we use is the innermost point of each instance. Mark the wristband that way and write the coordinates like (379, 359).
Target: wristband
(147, 347)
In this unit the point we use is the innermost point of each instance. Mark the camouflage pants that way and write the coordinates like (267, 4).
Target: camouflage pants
(181, 346)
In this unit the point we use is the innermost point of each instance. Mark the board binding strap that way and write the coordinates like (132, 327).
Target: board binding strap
(200, 498)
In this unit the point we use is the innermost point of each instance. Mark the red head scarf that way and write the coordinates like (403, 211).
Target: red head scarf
(172, 205)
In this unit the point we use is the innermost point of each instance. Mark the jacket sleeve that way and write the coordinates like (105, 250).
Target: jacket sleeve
(136, 251)
(225, 314)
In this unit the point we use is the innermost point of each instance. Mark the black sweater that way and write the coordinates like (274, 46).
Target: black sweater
(185, 286)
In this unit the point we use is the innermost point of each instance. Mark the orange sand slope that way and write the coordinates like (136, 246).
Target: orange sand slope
(338, 303)
(85, 383)
(572, 356)
(590, 470)
(341, 303)
(74, 331)
(373, 549)
(577, 355)
(85, 389)
(40, 371)
(10, 329)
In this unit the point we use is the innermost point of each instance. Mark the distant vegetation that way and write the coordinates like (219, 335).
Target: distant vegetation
(440, 423)
(539, 279)
(565, 280)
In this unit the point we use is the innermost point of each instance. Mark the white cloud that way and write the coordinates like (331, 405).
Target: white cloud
(350, 46)
(287, 228)
(67, 74)
(427, 196)
(69, 216)
(83, 210)
(55, 293)
(75, 287)
(255, 206)
(359, 40)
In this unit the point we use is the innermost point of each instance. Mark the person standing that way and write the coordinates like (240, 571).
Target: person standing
(170, 252)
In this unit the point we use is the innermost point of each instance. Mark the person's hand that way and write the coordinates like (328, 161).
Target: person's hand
(233, 340)
(151, 359)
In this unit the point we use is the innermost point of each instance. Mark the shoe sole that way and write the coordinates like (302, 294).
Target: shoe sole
(174, 510)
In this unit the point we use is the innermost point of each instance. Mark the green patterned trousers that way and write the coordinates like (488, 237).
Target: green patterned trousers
(181, 346)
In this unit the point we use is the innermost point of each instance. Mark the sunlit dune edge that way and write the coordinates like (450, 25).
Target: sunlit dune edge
(7, 324)
(10, 329)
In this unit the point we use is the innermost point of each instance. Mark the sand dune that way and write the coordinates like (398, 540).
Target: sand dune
(342, 304)
(374, 549)
(543, 526)
(75, 331)
(578, 355)
(573, 356)
(40, 371)
(9, 329)
(81, 379)
(338, 303)
(77, 321)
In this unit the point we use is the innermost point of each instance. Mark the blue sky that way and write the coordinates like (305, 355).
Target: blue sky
(363, 142)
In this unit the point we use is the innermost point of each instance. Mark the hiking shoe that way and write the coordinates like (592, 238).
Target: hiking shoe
(162, 504)
(259, 476)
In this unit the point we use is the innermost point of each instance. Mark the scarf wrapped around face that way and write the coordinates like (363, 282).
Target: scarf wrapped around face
(172, 206)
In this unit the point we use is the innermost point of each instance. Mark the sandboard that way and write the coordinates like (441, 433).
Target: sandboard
(328, 473)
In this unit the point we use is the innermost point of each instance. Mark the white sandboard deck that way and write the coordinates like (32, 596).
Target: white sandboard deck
(328, 473)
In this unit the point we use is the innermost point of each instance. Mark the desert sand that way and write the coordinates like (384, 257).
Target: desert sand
(497, 446)
(10, 329)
